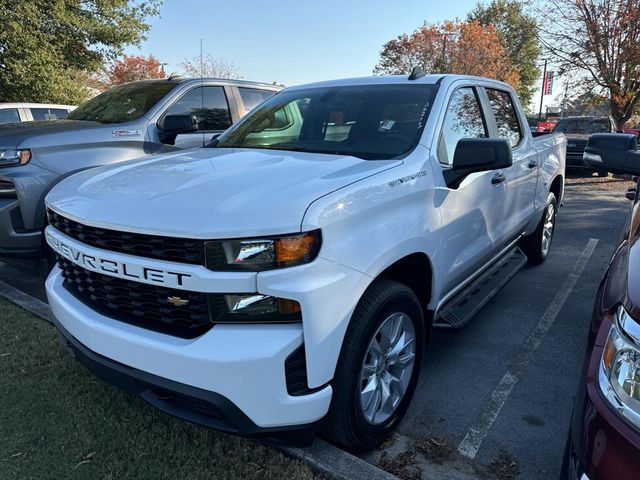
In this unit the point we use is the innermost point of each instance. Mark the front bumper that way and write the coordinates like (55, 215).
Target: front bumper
(189, 403)
(237, 365)
(15, 240)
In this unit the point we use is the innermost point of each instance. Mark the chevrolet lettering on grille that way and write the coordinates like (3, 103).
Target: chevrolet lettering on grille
(110, 266)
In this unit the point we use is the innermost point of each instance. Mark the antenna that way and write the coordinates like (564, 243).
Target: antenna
(416, 73)
(201, 88)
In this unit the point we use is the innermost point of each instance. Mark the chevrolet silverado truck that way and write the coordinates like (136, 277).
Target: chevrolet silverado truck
(287, 277)
(125, 122)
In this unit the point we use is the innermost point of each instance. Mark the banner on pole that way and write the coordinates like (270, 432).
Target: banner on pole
(548, 84)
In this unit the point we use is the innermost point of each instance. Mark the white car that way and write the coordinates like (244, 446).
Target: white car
(29, 112)
(289, 275)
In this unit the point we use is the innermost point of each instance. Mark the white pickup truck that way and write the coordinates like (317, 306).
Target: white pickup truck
(287, 277)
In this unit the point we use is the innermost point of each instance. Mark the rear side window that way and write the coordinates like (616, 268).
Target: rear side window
(253, 96)
(463, 119)
(208, 104)
(9, 115)
(505, 114)
(49, 113)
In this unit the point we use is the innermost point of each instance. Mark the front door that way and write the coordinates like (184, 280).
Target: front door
(472, 219)
(210, 107)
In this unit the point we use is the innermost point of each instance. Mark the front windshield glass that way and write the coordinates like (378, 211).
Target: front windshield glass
(123, 103)
(370, 122)
(583, 125)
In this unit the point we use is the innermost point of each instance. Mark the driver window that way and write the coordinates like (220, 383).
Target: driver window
(463, 119)
(212, 110)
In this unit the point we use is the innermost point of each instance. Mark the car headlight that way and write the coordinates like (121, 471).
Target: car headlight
(253, 308)
(14, 157)
(619, 373)
(259, 254)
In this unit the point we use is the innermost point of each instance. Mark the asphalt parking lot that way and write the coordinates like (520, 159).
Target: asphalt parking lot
(501, 390)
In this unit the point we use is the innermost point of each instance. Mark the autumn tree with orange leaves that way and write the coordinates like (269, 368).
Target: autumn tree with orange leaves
(135, 67)
(601, 38)
(467, 48)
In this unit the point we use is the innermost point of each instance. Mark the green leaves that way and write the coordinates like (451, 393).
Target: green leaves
(50, 49)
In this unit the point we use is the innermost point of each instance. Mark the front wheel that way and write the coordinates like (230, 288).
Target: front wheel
(378, 367)
(537, 245)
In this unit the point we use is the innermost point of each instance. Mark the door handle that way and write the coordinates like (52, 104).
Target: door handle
(498, 178)
(533, 163)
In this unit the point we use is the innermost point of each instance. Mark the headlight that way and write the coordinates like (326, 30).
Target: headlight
(619, 375)
(14, 157)
(263, 253)
(253, 308)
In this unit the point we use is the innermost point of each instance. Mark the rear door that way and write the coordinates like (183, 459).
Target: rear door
(210, 106)
(472, 215)
(522, 177)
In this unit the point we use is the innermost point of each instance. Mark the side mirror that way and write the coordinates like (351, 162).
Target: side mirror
(174, 125)
(613, 152)
(477, 155)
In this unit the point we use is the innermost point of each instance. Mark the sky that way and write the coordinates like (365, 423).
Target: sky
(288, 41)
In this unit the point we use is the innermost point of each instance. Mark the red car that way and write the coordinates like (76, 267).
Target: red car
(604, 441)
(635, 131)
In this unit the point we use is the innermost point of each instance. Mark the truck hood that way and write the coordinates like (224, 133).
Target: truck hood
(14, 134)
(208, 193)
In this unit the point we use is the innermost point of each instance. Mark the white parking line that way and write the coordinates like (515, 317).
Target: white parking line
(489, 412)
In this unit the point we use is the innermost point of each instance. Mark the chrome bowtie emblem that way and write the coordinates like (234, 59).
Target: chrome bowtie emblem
(177, 301)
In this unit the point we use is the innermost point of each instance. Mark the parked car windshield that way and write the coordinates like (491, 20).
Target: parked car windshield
(123, 103)
(369, 122)
(583, 125)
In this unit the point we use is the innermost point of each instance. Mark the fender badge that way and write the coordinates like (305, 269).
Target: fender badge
(177, 301)
(125, 133)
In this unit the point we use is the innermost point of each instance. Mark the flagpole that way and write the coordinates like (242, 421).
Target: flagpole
(544, 83)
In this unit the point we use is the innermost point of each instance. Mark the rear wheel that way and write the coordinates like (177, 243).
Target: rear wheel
(378, 367)
(537, 245)
(602, 174)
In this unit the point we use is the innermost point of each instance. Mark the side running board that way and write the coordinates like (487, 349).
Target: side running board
(457, 312)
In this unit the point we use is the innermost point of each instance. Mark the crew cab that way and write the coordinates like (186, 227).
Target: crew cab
(128, 121)
(604, 441)
(287, 277)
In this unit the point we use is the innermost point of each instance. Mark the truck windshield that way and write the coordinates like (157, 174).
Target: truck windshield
(123, 103)
(583, 125)
(370, 122)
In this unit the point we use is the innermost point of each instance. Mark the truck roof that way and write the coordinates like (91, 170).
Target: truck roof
(222, 81)
(429, 79)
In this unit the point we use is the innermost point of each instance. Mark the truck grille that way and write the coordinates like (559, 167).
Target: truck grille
(139, 304)
(181, 250)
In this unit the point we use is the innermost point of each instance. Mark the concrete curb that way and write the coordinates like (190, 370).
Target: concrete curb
(336, 463)
(322, 457)
(32, 304)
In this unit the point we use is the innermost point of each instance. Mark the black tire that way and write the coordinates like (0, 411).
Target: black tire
(602, 174)
(346, 423)
(532, 245)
